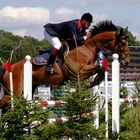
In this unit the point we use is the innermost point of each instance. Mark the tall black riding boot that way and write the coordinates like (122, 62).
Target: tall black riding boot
(51, 61)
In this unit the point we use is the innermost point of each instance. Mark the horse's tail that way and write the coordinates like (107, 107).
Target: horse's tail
(2, 72)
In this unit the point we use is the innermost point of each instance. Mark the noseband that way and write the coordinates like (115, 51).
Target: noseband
(119, 51)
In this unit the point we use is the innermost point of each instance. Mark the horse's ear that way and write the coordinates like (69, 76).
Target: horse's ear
(121, 33)
(118, 33)
(126, 29)
(125, 33)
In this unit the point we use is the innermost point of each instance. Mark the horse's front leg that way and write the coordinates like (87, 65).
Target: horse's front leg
(98, 78)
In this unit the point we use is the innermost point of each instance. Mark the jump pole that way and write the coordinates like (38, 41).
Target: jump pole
(28, 78)
(105, 65)
(95, 90)
(8, 67)
(115, 94)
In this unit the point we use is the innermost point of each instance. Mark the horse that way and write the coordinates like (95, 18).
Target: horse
(79, 64)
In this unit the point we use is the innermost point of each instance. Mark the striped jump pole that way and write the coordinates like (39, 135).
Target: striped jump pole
(46, 103)
(128, 100)
(65, 119)
(62, 119)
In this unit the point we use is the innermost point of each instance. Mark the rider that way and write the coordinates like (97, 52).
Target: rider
(73, 29)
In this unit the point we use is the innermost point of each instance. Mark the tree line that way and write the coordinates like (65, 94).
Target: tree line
(31, 46)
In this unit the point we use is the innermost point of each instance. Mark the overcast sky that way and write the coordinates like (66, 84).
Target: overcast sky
(27, 17)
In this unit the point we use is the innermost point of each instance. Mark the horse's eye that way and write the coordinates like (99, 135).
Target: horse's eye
(123, 43)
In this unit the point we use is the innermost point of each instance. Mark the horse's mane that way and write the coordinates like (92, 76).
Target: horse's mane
(103, 26)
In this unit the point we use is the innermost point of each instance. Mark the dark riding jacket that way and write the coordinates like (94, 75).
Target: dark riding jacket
(67, 30)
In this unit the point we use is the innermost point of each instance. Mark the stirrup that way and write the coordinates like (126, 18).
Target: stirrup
(50, 70)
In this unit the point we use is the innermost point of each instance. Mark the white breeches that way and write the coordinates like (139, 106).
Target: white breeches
(54, 41)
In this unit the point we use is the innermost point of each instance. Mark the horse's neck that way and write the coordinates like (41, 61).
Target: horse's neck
(102, 40)
(79, 61)
(91, 44)
(84, 50)
(81, 56)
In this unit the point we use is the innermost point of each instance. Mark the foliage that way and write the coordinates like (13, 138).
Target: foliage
(25, 45)
(130, 123)
(58, 94)
(22, 121)
(80, 126)
(17, 123)
(80, 102)
(130, 116)
(132, 41)
(31, 46)
(27, 121)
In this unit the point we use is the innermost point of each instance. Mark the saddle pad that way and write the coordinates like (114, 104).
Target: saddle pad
(41, 59)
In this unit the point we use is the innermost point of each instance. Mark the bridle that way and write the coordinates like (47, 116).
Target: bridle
(118, 45)
(119, 51)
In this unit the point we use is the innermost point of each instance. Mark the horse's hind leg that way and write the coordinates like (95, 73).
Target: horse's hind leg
(5, 99)
(34, 87)
(5, 103)
(98, 78)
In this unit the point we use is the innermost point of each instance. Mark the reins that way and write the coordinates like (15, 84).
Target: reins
(101, 48)
(96, 44)
(78, 77)
(122, 57)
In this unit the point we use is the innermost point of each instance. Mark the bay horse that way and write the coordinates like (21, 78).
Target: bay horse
(79, 64)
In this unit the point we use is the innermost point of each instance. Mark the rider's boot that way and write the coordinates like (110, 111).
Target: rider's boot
(49, 67)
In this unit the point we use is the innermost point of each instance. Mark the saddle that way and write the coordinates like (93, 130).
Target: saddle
(43, 56)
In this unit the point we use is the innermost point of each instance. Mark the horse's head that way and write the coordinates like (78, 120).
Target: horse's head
(107, 35)
(121, 45)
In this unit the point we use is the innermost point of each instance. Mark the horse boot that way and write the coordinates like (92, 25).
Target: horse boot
(51, 61)
(98, 79)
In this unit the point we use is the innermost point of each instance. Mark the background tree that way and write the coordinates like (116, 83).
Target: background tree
(26, 45)
(132, 41)
(31, 46)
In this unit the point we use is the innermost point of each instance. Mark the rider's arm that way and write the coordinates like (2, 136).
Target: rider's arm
(76, 35)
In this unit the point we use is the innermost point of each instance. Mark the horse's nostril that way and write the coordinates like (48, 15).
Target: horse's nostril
(126, 63)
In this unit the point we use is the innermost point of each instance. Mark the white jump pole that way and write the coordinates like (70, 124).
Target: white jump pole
(115, 94)
(8, 67)
(96, 88)
(11, 88)
(105, 65)
(28, 78)
(106, 101)
(95, 91)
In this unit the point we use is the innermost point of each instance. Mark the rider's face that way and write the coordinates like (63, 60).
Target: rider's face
(85, 24)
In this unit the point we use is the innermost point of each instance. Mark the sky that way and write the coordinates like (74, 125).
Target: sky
(27, 17)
